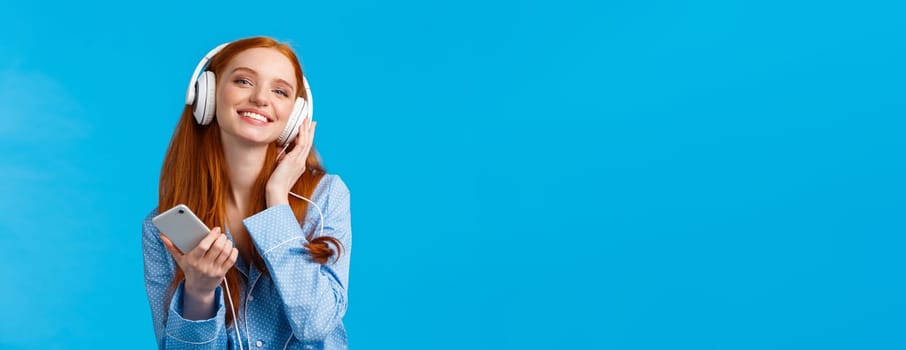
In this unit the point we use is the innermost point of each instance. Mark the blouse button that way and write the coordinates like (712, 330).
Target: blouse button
(259, 343)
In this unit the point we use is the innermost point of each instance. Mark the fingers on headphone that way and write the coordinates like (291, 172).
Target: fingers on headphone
(303, 130)
(306, 137)
(311, 132)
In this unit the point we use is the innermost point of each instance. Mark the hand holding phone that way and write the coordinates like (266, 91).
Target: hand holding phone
(204, 255)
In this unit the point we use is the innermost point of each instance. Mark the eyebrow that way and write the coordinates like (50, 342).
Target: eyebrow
(290, 86)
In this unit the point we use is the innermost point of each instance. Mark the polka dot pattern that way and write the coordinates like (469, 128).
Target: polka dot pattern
(299, 305)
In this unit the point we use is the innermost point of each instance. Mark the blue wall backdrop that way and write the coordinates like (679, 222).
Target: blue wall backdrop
(525, 175)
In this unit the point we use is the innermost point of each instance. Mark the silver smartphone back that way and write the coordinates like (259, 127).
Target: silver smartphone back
(182, 227)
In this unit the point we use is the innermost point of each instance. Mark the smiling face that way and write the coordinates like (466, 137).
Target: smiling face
(255, 95)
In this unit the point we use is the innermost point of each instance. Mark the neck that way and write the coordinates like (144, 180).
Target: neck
(244, 163)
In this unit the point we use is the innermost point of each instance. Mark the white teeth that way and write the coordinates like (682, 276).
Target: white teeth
(253, 115)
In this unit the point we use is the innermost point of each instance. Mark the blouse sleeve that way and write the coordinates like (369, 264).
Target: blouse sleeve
(314, 295)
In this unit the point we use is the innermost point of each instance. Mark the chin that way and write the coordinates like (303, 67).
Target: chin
(255, 138)
(260, 141)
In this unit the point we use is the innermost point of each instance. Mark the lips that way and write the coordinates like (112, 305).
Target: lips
(255, 115)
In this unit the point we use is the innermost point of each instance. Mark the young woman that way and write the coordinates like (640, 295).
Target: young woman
(273, 271)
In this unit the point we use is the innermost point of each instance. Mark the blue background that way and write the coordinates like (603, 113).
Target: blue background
(539, 175)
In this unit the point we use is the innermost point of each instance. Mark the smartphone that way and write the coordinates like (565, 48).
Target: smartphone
(182, 227)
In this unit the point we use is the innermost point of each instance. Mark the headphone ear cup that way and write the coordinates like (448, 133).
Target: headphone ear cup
(292, 125)
(203, 108)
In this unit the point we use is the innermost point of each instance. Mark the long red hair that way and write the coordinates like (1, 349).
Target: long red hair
(194, 173)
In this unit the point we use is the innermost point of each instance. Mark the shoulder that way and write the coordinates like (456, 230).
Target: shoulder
(335, 184)
(331, 187)
(331, 194)
(148, 228)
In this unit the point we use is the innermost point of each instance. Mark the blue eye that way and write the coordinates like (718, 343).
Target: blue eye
(242, 81)
(282, 92)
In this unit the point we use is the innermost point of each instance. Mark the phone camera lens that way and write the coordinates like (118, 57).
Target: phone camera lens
(182, 211)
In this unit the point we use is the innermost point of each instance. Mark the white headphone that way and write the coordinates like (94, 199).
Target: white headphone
(201, 91)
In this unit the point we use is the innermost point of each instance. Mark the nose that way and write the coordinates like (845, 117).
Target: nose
(259, 97)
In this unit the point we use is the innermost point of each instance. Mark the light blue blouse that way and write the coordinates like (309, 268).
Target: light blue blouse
(299, 305)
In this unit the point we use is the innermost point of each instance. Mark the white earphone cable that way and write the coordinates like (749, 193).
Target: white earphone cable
(282, 151)
(227, 285)
(233, 310)
(320, 222)
(320, 213)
